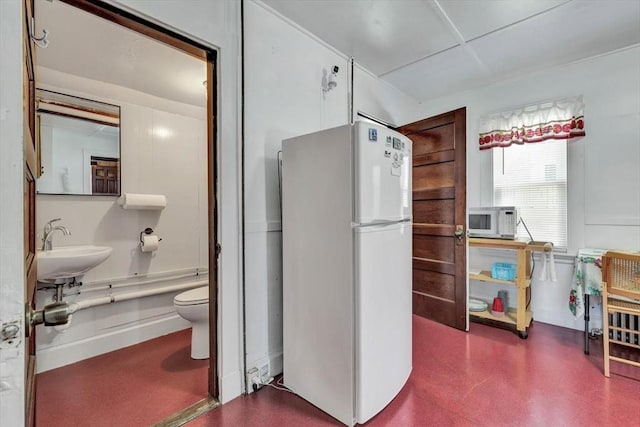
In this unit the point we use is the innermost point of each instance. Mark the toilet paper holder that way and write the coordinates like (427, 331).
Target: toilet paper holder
(147, 231)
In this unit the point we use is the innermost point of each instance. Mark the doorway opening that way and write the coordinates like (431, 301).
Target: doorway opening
(113, 51)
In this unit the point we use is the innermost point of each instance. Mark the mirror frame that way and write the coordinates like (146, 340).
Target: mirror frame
(76, 107)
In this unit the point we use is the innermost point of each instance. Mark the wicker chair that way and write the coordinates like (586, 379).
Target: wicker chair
(621, 306)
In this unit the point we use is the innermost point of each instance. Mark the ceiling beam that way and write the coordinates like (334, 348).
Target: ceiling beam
(458, 35)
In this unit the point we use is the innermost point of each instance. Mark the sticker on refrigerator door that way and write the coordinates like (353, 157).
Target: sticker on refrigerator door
(373, 134)
(388, 144)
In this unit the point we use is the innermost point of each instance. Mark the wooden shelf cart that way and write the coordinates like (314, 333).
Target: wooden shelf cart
(521, 316)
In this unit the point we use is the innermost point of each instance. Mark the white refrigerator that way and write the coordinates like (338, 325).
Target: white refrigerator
(346, 229)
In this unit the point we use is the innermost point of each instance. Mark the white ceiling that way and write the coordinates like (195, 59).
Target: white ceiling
(85, 45)
(426, 48)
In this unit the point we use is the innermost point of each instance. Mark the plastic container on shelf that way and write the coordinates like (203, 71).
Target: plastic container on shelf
(497, 308)
(503, 271)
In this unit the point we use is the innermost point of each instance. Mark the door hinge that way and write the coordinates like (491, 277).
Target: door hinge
(218, 249)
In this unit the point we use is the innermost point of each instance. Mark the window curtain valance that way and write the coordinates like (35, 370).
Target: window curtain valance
(560, 119)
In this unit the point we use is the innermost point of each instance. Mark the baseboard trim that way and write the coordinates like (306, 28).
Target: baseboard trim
(66, 354)
(568, 321)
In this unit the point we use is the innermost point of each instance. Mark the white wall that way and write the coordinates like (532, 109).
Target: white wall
(381, 100)
(603, 173)
(162, 152)
(285, 67)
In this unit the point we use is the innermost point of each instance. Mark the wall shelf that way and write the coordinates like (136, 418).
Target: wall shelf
(485, 276)
(510, 317)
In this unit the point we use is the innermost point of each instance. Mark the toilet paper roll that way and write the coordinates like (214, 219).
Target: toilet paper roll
(149, 243)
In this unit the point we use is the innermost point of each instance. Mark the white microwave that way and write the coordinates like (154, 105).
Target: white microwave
(498, 222)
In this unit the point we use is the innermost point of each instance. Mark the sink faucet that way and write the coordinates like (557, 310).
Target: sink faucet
(48, 233)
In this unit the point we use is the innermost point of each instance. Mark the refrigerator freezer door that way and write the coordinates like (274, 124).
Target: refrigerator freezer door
(382, 161)
(383, 315)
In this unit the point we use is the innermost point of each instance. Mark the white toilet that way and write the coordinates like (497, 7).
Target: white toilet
(193, 305)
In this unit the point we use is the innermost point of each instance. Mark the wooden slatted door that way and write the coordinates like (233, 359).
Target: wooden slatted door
(439, 210)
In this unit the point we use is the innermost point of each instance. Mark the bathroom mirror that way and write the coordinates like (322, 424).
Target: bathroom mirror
(79, 145)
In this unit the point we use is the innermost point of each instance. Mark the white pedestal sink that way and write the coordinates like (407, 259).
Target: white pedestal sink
(65, 262)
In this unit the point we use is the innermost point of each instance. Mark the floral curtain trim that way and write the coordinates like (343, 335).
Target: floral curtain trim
(561, 119)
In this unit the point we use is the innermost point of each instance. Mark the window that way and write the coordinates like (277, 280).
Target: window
(533, 178)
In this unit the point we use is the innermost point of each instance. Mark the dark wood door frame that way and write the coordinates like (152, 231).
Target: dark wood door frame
(439, 215)
(208, 54)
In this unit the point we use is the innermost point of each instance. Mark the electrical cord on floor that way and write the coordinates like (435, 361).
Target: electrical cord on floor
(278, 386)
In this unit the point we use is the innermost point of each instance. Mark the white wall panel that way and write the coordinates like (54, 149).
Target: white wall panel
(284, 98)
(274, 300)
(256, 307)
(613, 183)
(612, 237)
(380, 98)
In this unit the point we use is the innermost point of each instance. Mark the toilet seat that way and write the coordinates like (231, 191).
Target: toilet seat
(193, 297)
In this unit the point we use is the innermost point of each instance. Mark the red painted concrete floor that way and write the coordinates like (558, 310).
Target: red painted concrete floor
(134, 386)
(487, 377)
